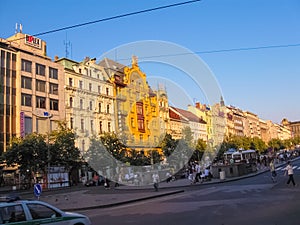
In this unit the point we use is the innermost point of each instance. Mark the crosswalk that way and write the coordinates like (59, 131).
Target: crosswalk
(283, 168)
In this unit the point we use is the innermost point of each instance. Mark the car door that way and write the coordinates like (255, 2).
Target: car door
(44, 214)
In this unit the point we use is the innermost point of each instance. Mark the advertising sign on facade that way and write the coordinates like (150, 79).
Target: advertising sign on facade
(33, 41)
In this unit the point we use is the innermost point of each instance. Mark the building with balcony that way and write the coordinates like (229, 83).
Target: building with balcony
(195, 123)
(204, 112)
(252, 125)
(89, 100)
(31, 91)
(138, 106)
(294, 127)
(234, 121)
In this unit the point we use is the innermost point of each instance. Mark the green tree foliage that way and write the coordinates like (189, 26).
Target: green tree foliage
(29, 153)
(200, 148)
(62, 148)
(168, 144)
(187, 135)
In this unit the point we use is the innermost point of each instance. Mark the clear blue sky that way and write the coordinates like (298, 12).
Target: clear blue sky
(263, 81)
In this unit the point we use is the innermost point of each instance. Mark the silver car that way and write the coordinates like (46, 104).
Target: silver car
(37, 212)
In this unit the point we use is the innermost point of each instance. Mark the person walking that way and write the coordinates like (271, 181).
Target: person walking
(290, 172)
(272, 170)
(155, 178)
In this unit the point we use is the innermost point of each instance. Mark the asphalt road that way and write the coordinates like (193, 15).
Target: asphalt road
(252, 201)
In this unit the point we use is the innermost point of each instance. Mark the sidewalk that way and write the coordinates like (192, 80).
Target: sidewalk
(82, 198)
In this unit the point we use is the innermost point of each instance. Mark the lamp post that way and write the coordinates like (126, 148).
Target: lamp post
(48, 116)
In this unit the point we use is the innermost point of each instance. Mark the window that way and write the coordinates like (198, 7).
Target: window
(82, 145)
(107, 108)
(54, 104)
(70, 82)
(40, 102)
(28, 125)
(90, 87)
(53, 73)
(26, 100)
(40, 86)
(79, 70)
(108, 127)
(12, 214)
(92, 125)
(71, 122)
(39, 211)
(53, 89)
(132, 122)
(139, 108)
(99, 107)
(40, 69)
(91, 105)
(82, 124)
(107, 91)
(100, 126)
(80, 84)
(141, 125)
(81, 104)
(71, 102)
(26, 82)
(26, 65)
(99, 89)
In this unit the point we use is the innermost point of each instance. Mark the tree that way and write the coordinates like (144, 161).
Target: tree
(187, 135)
(258, 144)
(199, 150)
(62, 148)
(168, 144)
(30, 153)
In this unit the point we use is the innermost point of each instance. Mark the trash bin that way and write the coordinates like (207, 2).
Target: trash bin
(222, 175)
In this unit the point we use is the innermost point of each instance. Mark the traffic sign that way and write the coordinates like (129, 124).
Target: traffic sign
(37, 190)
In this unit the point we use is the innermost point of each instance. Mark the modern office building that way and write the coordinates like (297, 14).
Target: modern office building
(31, 91)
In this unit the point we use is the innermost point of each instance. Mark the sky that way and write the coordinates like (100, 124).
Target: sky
(250, 74)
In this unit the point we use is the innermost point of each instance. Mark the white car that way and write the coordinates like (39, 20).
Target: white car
(37, 212)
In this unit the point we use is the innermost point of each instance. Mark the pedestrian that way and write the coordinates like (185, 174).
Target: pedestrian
(289, 171)
(106, 183)
(272, 170)
(155, 178)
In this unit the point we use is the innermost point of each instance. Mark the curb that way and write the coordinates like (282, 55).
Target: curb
(124, 202)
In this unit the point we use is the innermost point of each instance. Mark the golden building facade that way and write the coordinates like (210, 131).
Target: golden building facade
(138, 107)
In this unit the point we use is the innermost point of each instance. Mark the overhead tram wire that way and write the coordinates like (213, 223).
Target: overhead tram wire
(113, 17)
(219, 51)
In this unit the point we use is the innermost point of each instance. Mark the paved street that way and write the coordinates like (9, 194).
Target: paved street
(254, 200)
(254, 197)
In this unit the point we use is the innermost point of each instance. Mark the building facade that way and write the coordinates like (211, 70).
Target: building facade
(252, 125)
(89, 100)
(32, 88)
(138, 107)
(294, 127)
(196, 124)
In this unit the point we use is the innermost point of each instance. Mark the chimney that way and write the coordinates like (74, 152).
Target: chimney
(56, 58)
(198, 105)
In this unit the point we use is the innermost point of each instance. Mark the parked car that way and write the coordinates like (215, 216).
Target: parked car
(16, 211)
